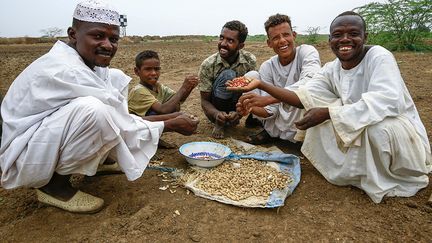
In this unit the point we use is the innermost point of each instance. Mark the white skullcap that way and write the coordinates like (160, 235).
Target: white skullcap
(96, 11)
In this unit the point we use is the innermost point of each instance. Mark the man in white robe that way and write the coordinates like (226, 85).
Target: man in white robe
(362, 127)
(290, 64)
(1, 119)
(67, 112)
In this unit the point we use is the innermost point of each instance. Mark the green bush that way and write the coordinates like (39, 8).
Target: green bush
(399, 24)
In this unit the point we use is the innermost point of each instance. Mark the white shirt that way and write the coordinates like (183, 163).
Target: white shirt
(305, 64)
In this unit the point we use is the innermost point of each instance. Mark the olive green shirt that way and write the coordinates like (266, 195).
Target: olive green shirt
(142, 98)
(214, 65)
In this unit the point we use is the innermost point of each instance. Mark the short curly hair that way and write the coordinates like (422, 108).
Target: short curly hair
(352, 13)
(238, 26)
(276, 19)
(144, 55)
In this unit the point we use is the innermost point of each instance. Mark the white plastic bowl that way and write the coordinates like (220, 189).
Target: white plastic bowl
(204, 154)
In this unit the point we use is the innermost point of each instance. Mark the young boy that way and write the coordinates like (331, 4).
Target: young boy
(150, 97)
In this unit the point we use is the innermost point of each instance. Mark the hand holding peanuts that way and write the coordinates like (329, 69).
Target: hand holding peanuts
(242, 84)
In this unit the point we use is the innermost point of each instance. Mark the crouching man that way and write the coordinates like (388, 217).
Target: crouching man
(67, 112)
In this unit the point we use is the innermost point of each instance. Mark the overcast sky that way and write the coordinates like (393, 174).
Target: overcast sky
(20, 18)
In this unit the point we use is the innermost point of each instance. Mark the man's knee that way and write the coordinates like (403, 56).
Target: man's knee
(398, 138)
(219, 88)
(226, 75)
(253, 74)
(90, 108)
(377, 132)
(221, 79)
(390, 128)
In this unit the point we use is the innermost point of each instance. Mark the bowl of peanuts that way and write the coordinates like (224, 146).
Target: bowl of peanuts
(204, 154)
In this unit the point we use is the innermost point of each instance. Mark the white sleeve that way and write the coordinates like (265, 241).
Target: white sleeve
(311, 63)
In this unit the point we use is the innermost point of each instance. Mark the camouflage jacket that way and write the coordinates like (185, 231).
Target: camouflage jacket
(214, 65)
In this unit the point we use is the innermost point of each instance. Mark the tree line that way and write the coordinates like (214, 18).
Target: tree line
(395, 24)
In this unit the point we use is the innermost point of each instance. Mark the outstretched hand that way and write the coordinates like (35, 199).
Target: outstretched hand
(313, 117)
(241, 110)
(184, 124)
(253, 103)
(252, 99)
(247, 101)
(235, 86)
(190, 82)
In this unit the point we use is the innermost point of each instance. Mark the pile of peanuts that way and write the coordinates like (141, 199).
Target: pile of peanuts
(235, 148)
(242, 179)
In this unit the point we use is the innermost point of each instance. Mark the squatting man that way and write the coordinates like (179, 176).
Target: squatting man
(67, 112)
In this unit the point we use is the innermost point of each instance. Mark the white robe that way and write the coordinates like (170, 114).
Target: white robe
(375, 139)
(306, 63)
(61, 116)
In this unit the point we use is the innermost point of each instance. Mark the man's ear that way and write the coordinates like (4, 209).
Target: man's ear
(136, 71)
(72, 35)
(366, 37)
(241, 45)
(294, 34)
(269, 43)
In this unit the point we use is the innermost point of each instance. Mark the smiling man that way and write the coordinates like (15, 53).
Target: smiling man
(362, 126)
(231, 61)
(67, 112)
(290, 65)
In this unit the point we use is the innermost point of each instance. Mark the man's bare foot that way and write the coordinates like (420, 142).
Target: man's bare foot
(218, 131)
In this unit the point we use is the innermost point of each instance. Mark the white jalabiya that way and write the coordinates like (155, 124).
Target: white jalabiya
(375, 139)
(305, 64)
(61, 116)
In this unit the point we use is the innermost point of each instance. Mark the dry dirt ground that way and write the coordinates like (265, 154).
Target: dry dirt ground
(139, 212)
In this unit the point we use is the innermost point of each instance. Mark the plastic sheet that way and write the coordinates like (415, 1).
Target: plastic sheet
(285, 163)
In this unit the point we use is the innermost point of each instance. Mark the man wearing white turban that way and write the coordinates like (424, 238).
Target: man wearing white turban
(67, 112)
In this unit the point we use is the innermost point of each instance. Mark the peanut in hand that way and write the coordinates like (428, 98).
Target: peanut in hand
(239, 82)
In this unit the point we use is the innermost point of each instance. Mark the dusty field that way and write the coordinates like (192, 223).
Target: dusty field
(139, 212)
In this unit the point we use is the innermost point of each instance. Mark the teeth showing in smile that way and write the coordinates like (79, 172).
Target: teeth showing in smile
(283, 47)
(345, 48)
(104, 54)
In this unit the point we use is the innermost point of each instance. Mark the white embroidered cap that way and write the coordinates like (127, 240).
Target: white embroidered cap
(96, 11)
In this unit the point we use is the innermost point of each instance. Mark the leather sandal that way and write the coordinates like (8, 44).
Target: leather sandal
(261, 137)
(252, 122)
